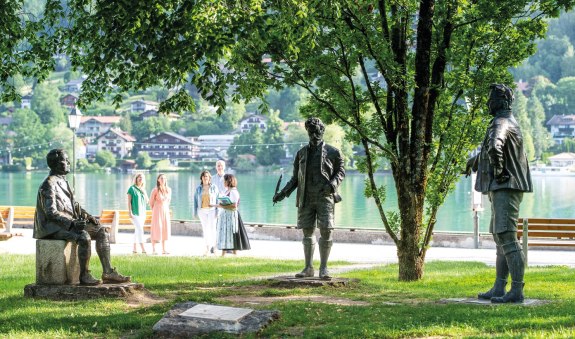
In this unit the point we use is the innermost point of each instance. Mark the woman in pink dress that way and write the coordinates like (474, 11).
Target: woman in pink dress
(160, 204)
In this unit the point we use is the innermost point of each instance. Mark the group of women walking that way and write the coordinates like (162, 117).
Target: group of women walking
(159, 202)
(217, 209)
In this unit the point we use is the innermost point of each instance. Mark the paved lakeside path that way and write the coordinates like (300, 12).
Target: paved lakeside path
(292, 250)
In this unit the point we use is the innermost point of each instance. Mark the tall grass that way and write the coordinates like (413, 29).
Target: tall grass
(394, 309)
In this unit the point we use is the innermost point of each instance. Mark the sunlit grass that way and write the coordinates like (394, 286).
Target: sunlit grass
(394, 308)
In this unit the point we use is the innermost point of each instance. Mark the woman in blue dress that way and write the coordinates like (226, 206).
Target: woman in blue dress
(231, 232)
(228, 215)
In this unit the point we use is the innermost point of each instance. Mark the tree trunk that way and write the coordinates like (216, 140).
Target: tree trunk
(411, 263)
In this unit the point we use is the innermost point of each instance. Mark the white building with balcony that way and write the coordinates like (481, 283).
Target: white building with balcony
(561, 127)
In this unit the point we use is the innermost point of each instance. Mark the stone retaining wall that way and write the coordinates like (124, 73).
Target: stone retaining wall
(339, 235)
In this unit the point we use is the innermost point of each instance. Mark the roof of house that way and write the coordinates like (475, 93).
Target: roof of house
(563, 156)
(562, 120)
(121, 134)
(153, 112)
(110, 119)
(173, 135)
(70, 95)
(149, 102)
(252, 116)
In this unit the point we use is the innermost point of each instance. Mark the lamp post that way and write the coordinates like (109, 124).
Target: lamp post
(74, 119)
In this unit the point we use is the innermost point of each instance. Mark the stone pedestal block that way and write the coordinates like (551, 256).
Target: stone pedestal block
(57, 262)
(81, 292)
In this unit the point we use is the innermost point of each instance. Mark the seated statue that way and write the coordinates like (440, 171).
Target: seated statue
(58, 216)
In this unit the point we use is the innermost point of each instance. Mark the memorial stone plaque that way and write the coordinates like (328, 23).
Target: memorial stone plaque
(214, 312)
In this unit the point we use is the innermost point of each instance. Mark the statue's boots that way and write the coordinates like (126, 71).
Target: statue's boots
(87, 279)
(498, 290)
(113, 277)
(308, 249)
(324, 250)
(516, 264)
(501, 272)
(515, 294)
(109, 275)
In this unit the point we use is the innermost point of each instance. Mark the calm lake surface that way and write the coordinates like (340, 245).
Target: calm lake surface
(553, 197)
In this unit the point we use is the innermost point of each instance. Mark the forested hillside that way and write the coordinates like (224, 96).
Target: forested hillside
(546, 87)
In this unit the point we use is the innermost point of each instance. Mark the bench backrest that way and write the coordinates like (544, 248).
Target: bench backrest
(19, 213)
(547, 228)
(107, 217)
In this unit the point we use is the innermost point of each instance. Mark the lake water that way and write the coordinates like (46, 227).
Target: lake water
(553, 197)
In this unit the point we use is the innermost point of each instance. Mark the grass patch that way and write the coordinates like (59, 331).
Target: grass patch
(394, 308)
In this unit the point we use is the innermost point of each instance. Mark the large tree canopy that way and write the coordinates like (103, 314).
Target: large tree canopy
(26, 47)
(130, 45)
(406, 79)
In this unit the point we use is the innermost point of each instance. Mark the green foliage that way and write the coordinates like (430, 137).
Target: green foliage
(134, 47)
(143, 160)
(26, 47)
(287, 101)
(541, 137)
(521, 114)
(243, 163)
(271, 154)
(105, 158)
(30, 132)
(295, 137)
(162, 165)
(335, 136)
(246, 143)
(83, 165)
(143, 129)
(126, 123)
(185, 164)
(46, 103)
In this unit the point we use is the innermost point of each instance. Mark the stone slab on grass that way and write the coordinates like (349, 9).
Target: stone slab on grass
(215, 312)
(476, 301)
(190, 319)
(80, 292)
(291, 281)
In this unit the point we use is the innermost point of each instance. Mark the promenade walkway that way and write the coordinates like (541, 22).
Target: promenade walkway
(273, 249)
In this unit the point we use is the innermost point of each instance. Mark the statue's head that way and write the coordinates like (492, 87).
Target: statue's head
(58, 162)
(315, 129)
(500, 98)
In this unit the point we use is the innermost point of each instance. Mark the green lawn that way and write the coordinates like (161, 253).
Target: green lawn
(389, 308)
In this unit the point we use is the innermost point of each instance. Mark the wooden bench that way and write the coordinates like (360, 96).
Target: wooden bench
(4, 235)
(544, 232)
(120, 219)
(17, 215)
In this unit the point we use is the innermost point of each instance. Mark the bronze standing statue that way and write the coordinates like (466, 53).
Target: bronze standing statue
(59, 216)
(503, 174)
(317, 173)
